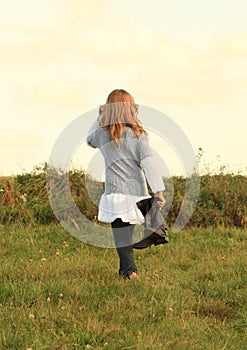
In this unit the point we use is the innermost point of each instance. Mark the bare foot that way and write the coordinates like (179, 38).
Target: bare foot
(134, 275)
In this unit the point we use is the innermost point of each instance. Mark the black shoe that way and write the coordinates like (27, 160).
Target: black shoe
(145, 243)
(154, 238)
(160, 240)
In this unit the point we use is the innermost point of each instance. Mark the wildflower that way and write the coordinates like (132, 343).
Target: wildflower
(30, 259)
(43, 259)
(32, 319)
(222, 257)
(24, 197)
(48, 299)
(57, 253)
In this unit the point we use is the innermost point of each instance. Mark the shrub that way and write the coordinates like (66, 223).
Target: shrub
(24, 200)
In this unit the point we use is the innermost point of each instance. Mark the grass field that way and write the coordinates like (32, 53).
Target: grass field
(59, 293)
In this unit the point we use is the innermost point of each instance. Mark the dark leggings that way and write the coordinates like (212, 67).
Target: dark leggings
(122, 232)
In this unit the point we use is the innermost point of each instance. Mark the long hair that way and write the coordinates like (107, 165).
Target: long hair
(120, 111)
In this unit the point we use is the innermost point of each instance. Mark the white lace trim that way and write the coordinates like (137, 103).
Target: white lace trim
(119, 205)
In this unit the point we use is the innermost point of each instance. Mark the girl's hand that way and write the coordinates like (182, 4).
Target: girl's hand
(161, 202)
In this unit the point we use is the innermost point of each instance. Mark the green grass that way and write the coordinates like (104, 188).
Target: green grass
(59, 293)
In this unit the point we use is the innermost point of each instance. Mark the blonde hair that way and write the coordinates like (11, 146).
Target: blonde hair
(119, 111)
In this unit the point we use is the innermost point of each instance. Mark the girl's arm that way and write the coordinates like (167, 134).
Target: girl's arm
(91, 135)
(152, 174)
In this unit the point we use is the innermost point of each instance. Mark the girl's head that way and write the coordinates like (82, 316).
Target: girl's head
(119, 111)
(119, 96)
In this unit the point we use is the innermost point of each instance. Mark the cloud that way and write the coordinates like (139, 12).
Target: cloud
(19, 139)
(230, 47)
(20, 149)
(64, 57)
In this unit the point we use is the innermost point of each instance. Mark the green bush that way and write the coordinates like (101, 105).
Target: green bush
(222, 199)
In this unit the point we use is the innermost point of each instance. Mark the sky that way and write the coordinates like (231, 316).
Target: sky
(60, 59)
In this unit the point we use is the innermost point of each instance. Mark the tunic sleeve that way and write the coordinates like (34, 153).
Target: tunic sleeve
(92, 139)
(149, 165)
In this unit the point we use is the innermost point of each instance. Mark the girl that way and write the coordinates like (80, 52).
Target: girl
(128, 163)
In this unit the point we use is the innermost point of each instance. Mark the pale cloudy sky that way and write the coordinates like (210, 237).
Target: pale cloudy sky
(61, 58)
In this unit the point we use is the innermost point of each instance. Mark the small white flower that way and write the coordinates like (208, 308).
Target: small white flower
(24, 197)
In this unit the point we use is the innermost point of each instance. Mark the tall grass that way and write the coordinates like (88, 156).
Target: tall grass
(222, 199)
